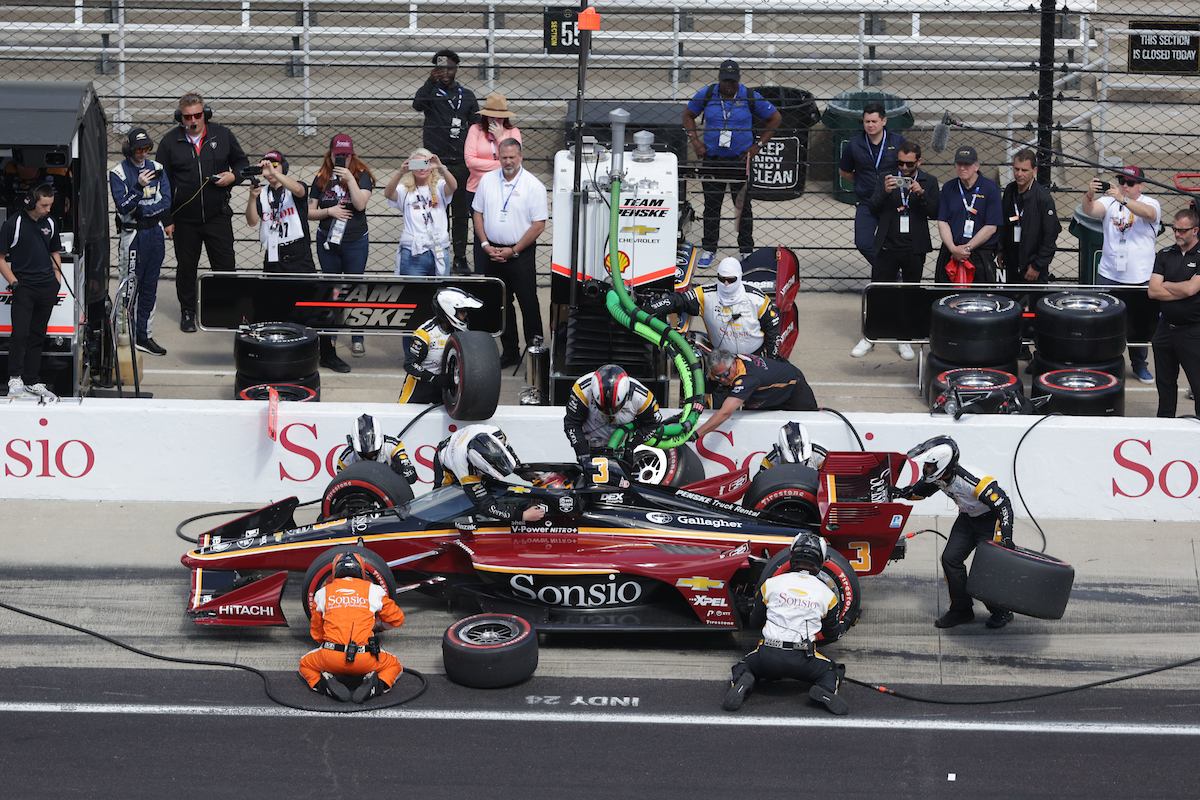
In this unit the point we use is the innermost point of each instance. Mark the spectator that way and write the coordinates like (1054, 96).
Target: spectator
(1030, 224)
(281, 216)
(19, 181)
(202, 160)
(729, 110)
(142, 196)
(759, 383)
(863, 160)
(902, 238)
(510, 206)
(449, 110)
(339, 200)
(1130, 221)
(424, 247)
(969, 219)
(483, 140)
(1175, 284)
(30, 264)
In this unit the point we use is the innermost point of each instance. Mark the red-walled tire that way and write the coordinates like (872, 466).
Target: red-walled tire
(975, 378)
(839, 576)
(788, 492)
(1081, 393)
(363, 487)
(321, 570)
(287, 391)
(487, 651)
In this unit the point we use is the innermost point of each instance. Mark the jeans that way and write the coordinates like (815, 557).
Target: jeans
(1138, 356)
(347, 258)
(422, 263)
(865, 225)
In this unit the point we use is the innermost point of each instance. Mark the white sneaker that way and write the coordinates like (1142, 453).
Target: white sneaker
(906, 352)
(862, 348)
(40, 390)
(16, 387)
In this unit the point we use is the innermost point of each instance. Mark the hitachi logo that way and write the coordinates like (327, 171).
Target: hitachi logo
(247, 611)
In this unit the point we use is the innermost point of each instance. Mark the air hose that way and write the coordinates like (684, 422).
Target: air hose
(657, 332)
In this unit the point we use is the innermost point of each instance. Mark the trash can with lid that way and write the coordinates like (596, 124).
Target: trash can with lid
(843, 116)
(780, 169)
(1090, 233)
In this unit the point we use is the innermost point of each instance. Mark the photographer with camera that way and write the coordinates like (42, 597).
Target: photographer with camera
(421, 190)
(281, 216)
(339, 200)
(203, 161)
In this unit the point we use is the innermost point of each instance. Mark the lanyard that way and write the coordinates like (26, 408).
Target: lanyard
(453, 104)
(882, 147)
(510, 191)
(974, 196)
(903, 197)
(726, 111)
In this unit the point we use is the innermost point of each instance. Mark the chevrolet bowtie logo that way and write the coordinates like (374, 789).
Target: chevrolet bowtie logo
(639, 230)
(700, 584)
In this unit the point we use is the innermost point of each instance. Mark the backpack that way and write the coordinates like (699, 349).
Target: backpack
(712, 90)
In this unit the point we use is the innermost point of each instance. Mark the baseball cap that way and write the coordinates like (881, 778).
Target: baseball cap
(139, 139)
(966, 155)
(278, 158)
(729, 71)
(1133, 174)
(341, 145)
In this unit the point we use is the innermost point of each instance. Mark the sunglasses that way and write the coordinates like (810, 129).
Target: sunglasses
(726, 280)
(906, 163)
(193, 116)
(722, 375)
(1183, 230)
(1126, 182)
(141, 149)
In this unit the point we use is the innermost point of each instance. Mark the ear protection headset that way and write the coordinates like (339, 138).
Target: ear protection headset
(191, 100)
(31, 198)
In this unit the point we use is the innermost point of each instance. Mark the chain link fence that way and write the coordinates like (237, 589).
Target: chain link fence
(288, 75)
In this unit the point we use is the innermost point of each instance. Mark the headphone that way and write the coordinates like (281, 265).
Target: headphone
(191, 100)
(31, 198)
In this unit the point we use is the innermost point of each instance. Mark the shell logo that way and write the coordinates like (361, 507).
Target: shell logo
(622, 259)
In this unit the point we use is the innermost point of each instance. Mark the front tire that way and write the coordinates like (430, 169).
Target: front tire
(487, 651)
(363, 487)
(678, 466)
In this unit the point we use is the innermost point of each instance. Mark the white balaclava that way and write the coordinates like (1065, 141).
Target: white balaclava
(730, 293)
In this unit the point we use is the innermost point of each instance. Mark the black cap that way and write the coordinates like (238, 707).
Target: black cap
(966, 155)
(729, 71)
(138, 139)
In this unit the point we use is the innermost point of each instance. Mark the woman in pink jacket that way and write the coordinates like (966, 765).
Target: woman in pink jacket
(482, 149)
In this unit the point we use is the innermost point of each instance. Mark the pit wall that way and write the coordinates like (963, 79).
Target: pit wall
(220, 452)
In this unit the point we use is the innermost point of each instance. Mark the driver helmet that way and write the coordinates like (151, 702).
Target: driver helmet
(482, 450)
(935, 458)
(809, 552)
(795, 445)
(366, 437)
(449, 303)
(348, 565)
(610, 388)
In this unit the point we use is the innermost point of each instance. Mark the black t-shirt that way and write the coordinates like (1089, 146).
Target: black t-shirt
(1175, 266)
(27, 244)
(767, 383)
(330, 195)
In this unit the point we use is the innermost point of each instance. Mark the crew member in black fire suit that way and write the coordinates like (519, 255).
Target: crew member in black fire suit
(984, 512)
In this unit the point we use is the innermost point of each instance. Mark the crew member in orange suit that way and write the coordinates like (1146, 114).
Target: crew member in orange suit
(344, 614)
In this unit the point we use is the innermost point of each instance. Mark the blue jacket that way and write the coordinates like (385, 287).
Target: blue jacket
(135, 205)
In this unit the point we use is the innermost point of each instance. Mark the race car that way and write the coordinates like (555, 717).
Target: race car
(611, 553)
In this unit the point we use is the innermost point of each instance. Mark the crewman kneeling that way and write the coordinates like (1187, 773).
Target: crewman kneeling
(344, 614)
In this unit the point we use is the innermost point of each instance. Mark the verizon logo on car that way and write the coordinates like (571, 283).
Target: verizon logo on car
(247, 611)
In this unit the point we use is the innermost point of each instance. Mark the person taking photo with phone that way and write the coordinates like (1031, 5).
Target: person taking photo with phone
(422, 190)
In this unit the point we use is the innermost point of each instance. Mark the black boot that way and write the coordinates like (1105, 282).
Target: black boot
(371, 686)
(737, 691)
(329, 356)
(331, 686)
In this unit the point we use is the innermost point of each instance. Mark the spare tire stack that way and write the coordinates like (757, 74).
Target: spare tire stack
(1080, 360)
(281, 354)
(973, 330)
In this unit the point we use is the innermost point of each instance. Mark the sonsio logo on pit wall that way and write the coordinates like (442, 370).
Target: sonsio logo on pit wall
(1176, 478)
(47, 458)
(307, 458)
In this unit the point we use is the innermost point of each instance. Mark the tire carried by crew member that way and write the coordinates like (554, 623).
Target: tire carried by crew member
(473, 365)
(1021, 580)
(487, 651)
(363, 487)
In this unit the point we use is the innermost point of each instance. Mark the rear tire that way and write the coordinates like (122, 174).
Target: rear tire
(975, 330)
(1020, 580)
(473, 363)
(678, 466)
(487, 651)
(839, 576)
(321, 570)
(363, 487)
(788, 493)
(1082, 393)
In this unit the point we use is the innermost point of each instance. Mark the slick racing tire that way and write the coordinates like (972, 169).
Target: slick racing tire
(487, 651)
(1080, 327)
(1040, 365)
(974, 378)
(320, 571)
(935, 366)
(1081, 393)
(363, 487)
(839, 576)
(473, 364)
(975, 330)
(310, 381)
(679, 466)
(276, 351)
(286, 391)
(1020, 580)
(787, 492)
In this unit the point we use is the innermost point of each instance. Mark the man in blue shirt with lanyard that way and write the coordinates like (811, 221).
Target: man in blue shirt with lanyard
(729, 109)
(969, 221)
(863, 159)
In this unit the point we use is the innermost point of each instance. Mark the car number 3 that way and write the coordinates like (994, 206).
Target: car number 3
(862, 556)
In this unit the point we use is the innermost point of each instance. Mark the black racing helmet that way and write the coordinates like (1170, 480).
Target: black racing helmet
(808, 552)
(348, 565)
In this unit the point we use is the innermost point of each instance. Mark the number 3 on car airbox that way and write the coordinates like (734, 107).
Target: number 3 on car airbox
(862, 556)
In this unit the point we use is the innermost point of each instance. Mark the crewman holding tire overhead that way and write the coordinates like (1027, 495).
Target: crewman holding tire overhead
(345, 613)
(479, 458)
(367, 442)
(791, 608)
(423, 361)
(604, 400)
(984, 512)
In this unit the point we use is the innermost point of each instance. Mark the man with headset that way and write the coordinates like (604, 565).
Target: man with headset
(31, 266)
(202, 160)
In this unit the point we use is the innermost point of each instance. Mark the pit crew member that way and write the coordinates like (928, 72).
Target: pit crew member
(367, 442)
(795, 446)
(479, 458)
(739, 318)
(790, 608)
(344, 614)
(423, 361)
(984, 512)
(755, 382)
(604, 400)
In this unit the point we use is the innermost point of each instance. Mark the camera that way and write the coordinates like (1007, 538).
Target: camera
(339, 160)
(904, 183)
(418, 163)
(249, 172)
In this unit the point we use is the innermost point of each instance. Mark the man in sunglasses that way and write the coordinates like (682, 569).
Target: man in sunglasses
(1130, 222)
(758, 383)
(1029, 236)
(1175, 283)
(739, 318)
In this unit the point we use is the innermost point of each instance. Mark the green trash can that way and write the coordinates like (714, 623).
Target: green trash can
(1090, 233)
(843, 116)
